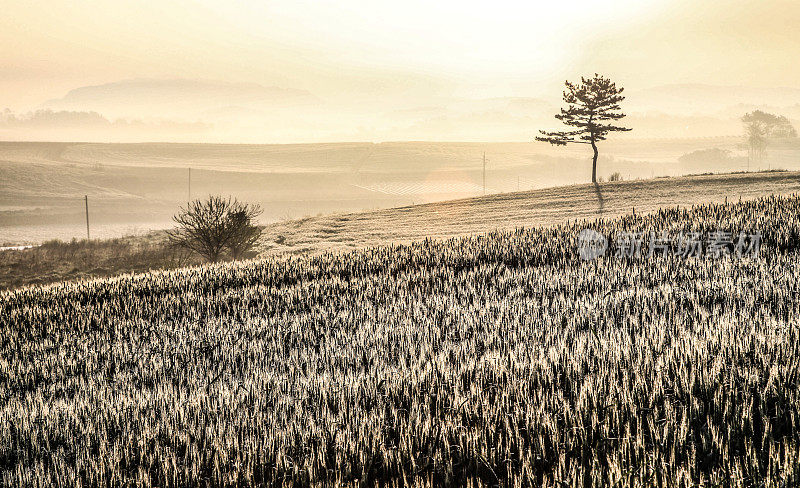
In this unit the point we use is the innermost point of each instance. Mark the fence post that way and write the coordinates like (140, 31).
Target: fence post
(86, 201)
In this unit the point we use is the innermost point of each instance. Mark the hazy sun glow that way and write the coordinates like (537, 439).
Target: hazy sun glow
(374, 63)
(455, 37)
(57, 43)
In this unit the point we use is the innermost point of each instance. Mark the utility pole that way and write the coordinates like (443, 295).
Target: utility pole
(86, 201)
(484, 173)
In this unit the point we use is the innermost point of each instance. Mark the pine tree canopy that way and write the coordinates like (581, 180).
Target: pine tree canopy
(592, 107)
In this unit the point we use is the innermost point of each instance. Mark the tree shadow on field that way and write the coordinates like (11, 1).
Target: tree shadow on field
(600, 200)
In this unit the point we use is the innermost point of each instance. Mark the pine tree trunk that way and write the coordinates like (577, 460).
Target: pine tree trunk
(594, 162)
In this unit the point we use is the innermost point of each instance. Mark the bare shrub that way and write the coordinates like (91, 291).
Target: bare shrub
(213, 226)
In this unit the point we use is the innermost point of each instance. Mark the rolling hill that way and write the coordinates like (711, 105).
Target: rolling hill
(142, 185)
(541, 207)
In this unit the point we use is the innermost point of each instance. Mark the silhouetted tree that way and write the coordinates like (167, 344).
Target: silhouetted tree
(209, 227)
(245, 232)
(772, 125)
(591, 106)
(759, 127)
(756, 133)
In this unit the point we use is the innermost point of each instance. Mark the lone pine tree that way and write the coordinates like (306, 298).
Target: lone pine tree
(592, 106)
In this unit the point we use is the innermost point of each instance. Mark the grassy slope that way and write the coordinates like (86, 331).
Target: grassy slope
(500, 358)
(344, 232)
(510, 210)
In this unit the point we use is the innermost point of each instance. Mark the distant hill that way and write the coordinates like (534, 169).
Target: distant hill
(250, 112)
(706, 99)
(154, 97)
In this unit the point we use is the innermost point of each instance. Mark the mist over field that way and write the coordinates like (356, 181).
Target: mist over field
(129, 145)
(133, 188)
(187, 110)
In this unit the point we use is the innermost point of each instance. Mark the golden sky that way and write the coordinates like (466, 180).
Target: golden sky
(350, 49)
